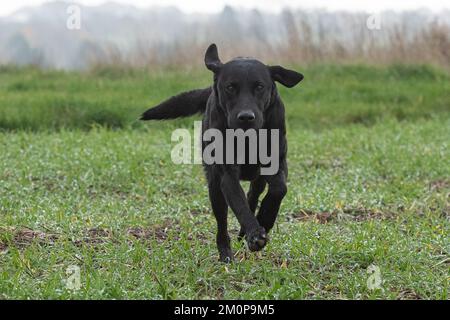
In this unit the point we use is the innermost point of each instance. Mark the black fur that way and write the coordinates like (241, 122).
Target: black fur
(182, 105)
(244, 95)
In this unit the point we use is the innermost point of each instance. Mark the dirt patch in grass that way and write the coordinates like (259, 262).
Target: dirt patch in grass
(3, 247)
(159, 233)
(349, 214)
(408, 294)
(95, 236)
(26, 236)
(439, 185)
(167, 230)
(50, 183)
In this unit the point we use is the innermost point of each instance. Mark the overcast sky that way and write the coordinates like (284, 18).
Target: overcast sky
(9, 6)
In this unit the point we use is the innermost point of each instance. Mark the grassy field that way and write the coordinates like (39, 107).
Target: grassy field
(82, 183)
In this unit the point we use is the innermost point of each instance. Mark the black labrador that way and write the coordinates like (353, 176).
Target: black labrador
(243, 96)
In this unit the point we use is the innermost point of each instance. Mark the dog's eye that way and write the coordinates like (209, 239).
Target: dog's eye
(259, 87)
(230, 88)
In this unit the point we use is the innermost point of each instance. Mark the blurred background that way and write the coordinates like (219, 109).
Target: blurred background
(161, 33)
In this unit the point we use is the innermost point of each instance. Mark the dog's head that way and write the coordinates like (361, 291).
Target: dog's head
(245, 87)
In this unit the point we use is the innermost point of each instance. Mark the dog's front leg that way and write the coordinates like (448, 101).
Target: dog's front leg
(256, 188)
(236, 199)
(220, 209)
(270, 205)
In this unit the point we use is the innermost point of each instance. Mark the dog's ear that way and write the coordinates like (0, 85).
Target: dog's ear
(212, 60)
(286, 77)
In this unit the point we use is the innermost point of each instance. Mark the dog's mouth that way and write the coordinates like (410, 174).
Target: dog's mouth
(235, 125)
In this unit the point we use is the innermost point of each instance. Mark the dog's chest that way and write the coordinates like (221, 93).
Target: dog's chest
(249, 172)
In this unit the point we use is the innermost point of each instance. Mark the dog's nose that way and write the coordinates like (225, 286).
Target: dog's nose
(246, 116)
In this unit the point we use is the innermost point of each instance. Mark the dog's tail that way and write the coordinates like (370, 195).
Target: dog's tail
(181, 105)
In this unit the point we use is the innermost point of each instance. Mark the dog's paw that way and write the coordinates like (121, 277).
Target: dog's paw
(226, 256)
(256, 239)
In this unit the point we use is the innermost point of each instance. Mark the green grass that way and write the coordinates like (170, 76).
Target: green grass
(369, 184)
(330, 96)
